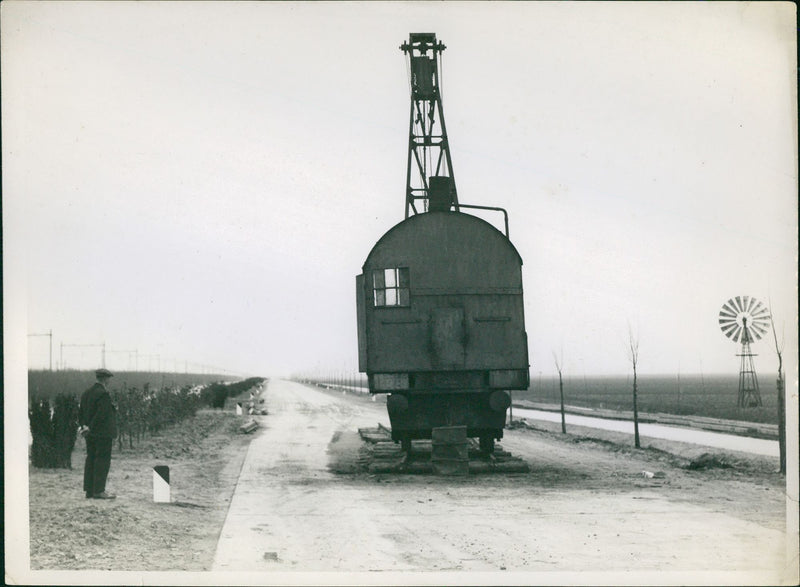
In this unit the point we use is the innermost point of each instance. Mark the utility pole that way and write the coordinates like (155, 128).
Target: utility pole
(134, 352)
(102, 346)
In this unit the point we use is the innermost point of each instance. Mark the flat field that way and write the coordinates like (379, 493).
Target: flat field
(47, 384)
(714, 396)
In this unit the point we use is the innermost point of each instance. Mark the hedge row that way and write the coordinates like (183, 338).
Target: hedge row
(139, 412)
(144, 411)
(215, 394)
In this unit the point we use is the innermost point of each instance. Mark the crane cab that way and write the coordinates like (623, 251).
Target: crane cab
(441, 324)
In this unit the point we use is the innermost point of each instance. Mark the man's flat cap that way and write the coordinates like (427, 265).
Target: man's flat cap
(103, 373)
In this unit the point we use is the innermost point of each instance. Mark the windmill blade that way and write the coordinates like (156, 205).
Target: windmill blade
(723, 321)
(743, 335)
(738, 304)
(758, 330)
(728, 328)
(731, 331)
(727, 312)
(763, 318)
(748, 303)
(761, 312)
(762, 325)
(734, 305)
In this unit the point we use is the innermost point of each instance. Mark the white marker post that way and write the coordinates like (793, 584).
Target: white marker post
(238, 408)
(161, 484)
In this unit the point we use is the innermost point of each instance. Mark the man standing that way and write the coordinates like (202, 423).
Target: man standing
(99, 427)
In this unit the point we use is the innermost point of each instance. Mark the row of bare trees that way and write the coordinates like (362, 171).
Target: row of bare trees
(633, 357)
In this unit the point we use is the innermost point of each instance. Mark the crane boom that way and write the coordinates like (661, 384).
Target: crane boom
(429, 176)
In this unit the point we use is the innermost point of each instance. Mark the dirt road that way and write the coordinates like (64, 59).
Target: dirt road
(301, 504)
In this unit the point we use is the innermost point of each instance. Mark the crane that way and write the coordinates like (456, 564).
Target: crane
(429, 176)
(429, 172)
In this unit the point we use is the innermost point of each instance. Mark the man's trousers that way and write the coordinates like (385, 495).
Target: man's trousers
(98, 461)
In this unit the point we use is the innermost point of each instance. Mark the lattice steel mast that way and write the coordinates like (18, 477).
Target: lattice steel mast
(744, 319)
(429, 176)
(749, 394)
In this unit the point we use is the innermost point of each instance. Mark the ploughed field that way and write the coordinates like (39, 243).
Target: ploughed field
(712, 396)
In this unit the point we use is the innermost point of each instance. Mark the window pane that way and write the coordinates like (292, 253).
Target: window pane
(391, 297)
(403, 297)
(380, 297)
(391, 280)
(403, 276)
(377, 279)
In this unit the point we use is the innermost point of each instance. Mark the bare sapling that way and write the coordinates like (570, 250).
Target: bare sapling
(559, 365)
(633, 356)
(780, 382)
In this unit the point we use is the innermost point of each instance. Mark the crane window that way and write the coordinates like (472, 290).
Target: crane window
(390, 287)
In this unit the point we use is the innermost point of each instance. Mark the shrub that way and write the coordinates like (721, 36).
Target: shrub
(54, 430)
(146, 411)
(42, 449)
(65, 425)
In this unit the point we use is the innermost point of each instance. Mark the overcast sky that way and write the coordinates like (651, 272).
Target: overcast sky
(203, 181)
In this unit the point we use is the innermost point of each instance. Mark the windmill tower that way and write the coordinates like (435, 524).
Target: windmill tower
(744, 320)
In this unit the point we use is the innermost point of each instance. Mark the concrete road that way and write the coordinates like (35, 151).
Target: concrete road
(290, 512)
(735, 442)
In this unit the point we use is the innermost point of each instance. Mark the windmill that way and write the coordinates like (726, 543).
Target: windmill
(744, 319)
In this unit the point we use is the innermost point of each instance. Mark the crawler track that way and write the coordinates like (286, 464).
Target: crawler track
(379, 454)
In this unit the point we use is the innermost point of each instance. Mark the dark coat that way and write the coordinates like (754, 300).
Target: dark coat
(97, 411)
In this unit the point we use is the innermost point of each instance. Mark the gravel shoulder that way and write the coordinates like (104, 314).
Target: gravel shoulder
(742, 485)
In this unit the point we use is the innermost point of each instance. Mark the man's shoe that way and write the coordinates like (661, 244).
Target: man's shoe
(105, 495)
